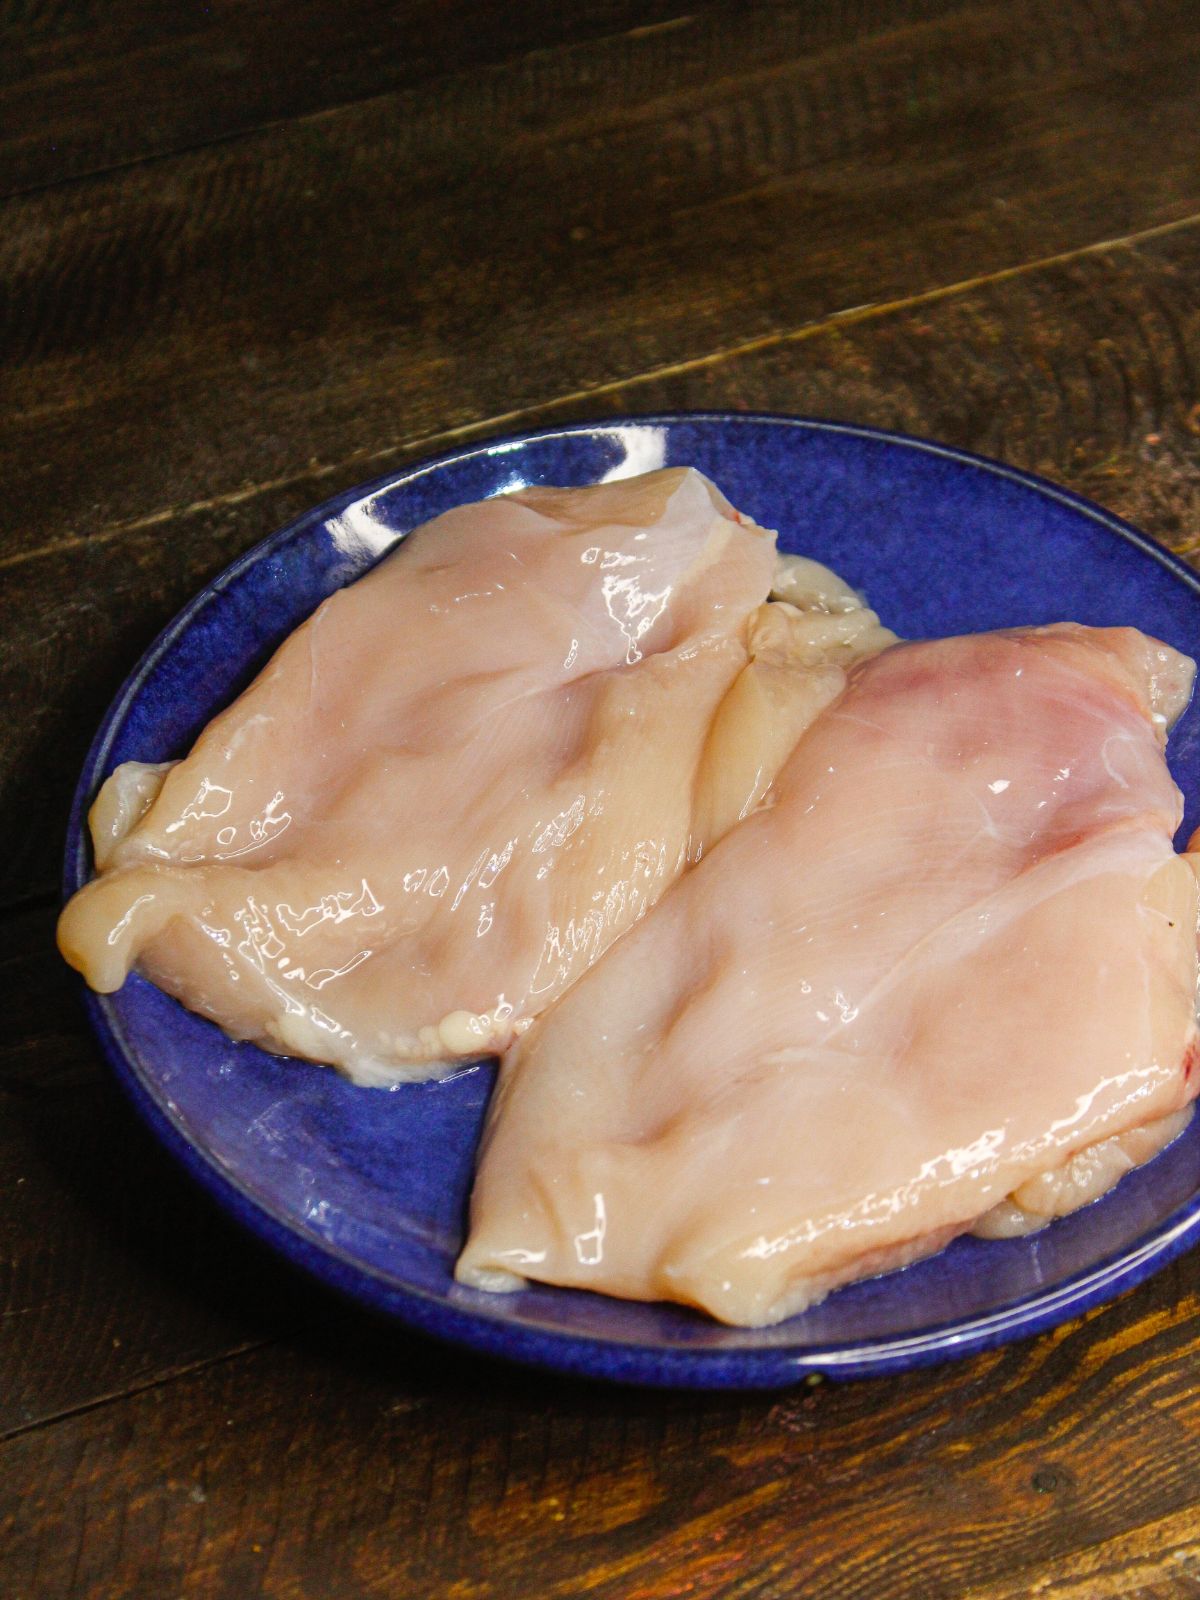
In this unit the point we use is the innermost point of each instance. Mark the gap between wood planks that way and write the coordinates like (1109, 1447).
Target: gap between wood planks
(189, 1369)
(869, 311)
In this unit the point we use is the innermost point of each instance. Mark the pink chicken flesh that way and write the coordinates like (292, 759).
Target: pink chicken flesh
(454, 786)
(947, 979)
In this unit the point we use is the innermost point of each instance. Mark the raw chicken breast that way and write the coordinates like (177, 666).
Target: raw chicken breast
(954, 961)
(448, 791)
(461, 779)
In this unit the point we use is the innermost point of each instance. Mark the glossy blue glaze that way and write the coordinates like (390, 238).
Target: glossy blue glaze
(366, 1188)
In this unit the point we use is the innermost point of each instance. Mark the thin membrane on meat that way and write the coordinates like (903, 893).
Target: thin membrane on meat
(945, 978)
(463, 778)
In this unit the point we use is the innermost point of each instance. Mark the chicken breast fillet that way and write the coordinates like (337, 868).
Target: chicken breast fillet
(465, 776)
(946, 978)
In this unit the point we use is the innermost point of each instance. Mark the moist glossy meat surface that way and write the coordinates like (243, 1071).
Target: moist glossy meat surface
(465, 775)
(955, 952)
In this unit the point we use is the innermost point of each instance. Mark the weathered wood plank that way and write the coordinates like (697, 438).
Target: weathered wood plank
(113, 1272)
(45, 1047)
(1085, 371)
(356, 1463)
(141, 78)
(114, 1269)
(1157, 1561)
(345, 284)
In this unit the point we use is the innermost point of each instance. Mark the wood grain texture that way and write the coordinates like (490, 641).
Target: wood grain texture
(893, 211)
(114, 1274)
(1086, 371)
(354, 1462)
(115, 1271)
(184, 331)
(45, 1046)
(84, 87)
(1160, 1560)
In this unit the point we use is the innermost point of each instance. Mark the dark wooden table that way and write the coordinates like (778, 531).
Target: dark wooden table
(254, 252)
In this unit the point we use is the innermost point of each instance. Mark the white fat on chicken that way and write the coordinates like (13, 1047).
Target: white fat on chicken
(945, 979)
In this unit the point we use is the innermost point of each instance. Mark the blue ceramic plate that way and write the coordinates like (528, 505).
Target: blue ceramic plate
(367, 1189)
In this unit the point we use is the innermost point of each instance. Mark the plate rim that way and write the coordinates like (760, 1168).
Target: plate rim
(469, 1327)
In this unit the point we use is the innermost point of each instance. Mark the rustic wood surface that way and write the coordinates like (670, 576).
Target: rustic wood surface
(253, 254)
